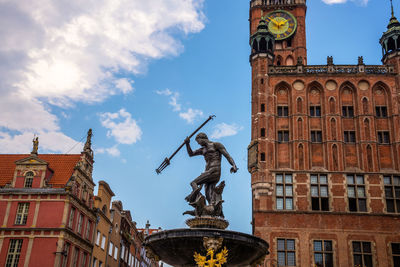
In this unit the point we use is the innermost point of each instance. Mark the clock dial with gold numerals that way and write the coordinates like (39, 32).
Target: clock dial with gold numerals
(281, 24)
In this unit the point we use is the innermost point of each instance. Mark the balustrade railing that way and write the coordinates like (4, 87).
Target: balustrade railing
(332, 69)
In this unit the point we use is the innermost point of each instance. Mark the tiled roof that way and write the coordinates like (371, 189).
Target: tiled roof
(62, 165)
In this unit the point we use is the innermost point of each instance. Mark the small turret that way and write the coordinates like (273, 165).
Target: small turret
(262, 41)
(390, 39)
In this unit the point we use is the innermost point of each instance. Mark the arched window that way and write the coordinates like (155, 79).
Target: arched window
(299, 105)
(28, 179)
(332, 108)
(365, 105)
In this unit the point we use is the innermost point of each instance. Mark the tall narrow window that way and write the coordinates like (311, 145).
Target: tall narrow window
(98, 237)
(348, 111)
(283, 136)
(262, 156)
(103, 242)
(392, 193)
(110, 249)
(283, 111)
(349, 136)
(94, 262)
(83, 260)
(315, 111)
(14, 252)
(71, 217)
(66, 254)
(75, 258)
(262, 133)
(286, 252)
(79, 225)
(262, 107)
(284, 192)
(115, 252)
(22, 213)
(323, 253)
(316, 136)
(319, 192)
(356, 193)
(396, 254)
(381, 111)
(383, 137)
(28, 179)
(88, 228)
(362, 254)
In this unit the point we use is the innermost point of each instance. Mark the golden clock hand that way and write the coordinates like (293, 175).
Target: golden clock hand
(282, 22)
(275, 22)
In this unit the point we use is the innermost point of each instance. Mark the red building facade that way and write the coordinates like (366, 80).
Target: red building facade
(325, 156)
(46, 203)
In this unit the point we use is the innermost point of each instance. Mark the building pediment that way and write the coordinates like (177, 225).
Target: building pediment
(32, 160)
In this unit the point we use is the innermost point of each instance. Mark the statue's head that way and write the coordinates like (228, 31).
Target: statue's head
(212, 243)
(201, 138)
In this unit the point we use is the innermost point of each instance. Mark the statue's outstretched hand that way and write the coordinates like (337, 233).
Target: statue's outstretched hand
(187, 140)
(234, 169)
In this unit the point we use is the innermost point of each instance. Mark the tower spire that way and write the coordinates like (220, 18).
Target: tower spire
(391, 4)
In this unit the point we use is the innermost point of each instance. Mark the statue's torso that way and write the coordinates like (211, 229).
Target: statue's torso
(212, 156)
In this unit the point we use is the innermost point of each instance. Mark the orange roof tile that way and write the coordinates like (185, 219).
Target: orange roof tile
(62, 165)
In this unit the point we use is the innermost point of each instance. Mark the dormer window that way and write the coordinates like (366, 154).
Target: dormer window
(28, 179)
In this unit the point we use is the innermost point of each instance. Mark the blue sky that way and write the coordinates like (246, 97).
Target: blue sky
(144, 74)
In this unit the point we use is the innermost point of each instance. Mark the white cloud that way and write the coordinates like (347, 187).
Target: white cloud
(191, 114)
(112, 151)
(63, 52)
(121, 126)
(124, 85)
(223, 130)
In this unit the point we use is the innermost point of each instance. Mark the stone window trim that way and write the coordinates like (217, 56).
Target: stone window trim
(21, 216)
(323, 249)
(362, 253)
(356, 193)
(391, 185)
(14, 252)
(319, 192)
(286, 251)
(29, 179)
(284, 192)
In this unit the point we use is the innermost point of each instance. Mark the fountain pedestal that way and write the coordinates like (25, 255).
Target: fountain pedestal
(177, 247)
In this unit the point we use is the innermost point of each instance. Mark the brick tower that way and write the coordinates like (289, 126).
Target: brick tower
(324, 155)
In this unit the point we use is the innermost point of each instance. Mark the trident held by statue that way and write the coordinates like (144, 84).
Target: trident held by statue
(167, 161)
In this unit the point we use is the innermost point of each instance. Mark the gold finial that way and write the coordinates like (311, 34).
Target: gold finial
(35, 148)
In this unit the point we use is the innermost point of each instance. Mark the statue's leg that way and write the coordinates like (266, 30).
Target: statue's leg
(210, 192)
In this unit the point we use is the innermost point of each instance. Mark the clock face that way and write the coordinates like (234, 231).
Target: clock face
(281, 24)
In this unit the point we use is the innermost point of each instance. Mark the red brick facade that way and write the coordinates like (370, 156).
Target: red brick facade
(325, 153)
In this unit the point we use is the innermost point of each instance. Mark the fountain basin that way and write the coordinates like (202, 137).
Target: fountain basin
(176, 247)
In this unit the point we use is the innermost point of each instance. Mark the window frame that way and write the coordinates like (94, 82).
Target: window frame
(383, 137)
(395, 256)
(14, 252)
(395, 194)
(349, 137)
(316, 136)
(282, 111)
(71, 218)
(321, 199)
(79, 224)
(103, 242)
(29, 179)
(348, 111)
(324, 252)
(356, 197)
(362, 253)
(283, 136)
(286, 251)
(284, 197)
(21, 216)
(315, 111)
(381, 112)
